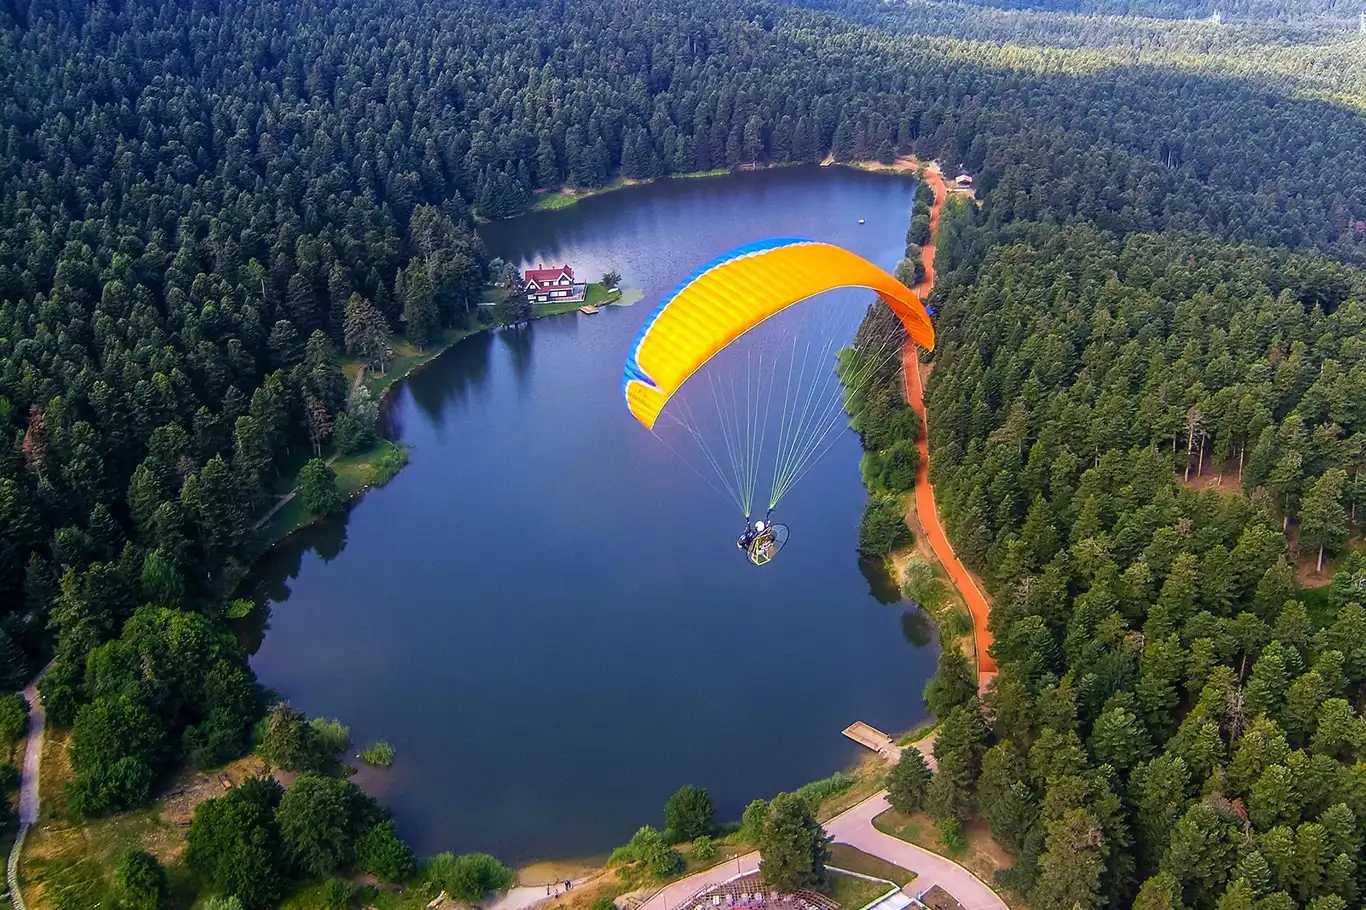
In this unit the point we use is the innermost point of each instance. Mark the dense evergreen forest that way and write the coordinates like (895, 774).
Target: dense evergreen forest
(1173, 724)
(1137, 439)
(1290, 11)
(200, 200)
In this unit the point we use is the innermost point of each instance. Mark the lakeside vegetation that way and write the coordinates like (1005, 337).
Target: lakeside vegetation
(564, 198)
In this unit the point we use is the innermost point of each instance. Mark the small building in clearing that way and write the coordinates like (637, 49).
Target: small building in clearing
(552, 285)
(963, 182)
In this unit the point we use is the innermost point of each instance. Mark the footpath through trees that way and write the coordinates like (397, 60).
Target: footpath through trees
(926, 510)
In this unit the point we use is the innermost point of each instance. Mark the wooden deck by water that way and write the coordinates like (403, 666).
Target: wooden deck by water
(872, 738)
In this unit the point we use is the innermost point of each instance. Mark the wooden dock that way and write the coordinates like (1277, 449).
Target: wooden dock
(588, 309)
(873, 738)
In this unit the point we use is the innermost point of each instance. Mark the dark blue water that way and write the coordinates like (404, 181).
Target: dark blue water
(545, 612)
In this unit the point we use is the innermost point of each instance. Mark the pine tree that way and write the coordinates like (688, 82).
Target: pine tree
(954, 682)
(1323, 520)
(908, 781)
(792, 845)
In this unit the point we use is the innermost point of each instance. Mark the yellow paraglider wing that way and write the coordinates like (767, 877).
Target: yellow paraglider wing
(735, 292)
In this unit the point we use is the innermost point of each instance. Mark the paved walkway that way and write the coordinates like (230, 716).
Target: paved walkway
(855, 828)
(978, 602)
(28, 783)
(523, 896)
(33, 753)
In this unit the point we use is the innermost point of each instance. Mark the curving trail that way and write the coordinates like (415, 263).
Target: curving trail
(978, 602)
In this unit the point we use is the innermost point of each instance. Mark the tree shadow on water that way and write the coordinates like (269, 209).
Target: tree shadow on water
(917, 628)
(519, 345)
(269, 582)
(881, 584)
(452, 378)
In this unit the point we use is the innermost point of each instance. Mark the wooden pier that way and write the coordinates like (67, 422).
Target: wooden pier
(872, 738)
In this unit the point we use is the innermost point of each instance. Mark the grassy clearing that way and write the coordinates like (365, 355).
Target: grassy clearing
(355, 474)
(562, 199)
(70, 865)
(855, 860)
(981, 856)
(725, 853)
(406, 359)
(549, 202)
(852, 893)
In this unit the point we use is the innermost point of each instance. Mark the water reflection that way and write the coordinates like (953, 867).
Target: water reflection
(518, 343)
(454, 379)
(917, 628)
(881, 584)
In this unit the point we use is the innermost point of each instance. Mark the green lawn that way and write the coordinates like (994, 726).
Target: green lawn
(855, 860)
(852, 893)
(979, 853)
(551, 201)
(355, 473)
(407, 358)
(596, 295)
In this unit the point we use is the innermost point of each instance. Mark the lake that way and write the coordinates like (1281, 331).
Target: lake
(545, 612)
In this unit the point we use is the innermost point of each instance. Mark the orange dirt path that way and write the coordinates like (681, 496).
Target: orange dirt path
(978, 602)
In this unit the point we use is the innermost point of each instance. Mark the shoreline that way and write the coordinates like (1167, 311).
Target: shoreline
(563, 197)
(865, 769)
(361, 472)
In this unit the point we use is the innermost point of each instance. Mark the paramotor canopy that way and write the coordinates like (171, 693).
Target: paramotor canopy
(777, 396)
(735, 292)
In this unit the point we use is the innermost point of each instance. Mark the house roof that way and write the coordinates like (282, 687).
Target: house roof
(548, 276)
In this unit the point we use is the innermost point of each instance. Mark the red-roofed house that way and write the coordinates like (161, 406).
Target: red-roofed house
(556, 284)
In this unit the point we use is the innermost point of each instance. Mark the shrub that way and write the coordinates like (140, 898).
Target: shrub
(469, 877)
(704, 848)
(381, 755)
(337, 893)
(13, 716)
(223, 903)
(922, 585)
(820, 790)
(603, 903)
(331, 736)
(141, 881)
(649, 848)
(239, 608)
(380, 852)
(288, 741)
(956, 623)
(389, 463)
(951, 835)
